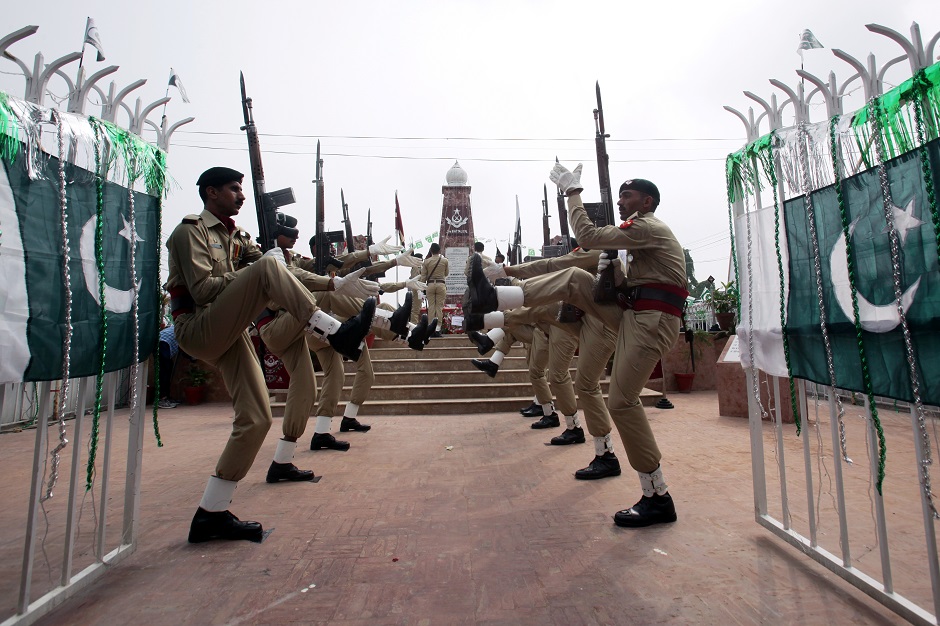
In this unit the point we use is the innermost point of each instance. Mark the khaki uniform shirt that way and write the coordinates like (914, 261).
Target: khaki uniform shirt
(203, 256)
(487, 261)
(657, 255)
(429, 271)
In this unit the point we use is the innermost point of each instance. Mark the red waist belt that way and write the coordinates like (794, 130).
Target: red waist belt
(654, 297)
(180, 301)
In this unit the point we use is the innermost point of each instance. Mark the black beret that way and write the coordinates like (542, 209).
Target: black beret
(643, 186)
(215, 176)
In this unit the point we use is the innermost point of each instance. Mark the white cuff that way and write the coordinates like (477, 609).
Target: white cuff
(218, 494)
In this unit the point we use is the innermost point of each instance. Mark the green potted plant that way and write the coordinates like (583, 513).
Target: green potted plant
(195, 384)
(724, 301)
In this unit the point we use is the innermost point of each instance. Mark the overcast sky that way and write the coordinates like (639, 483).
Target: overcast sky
(397, 91)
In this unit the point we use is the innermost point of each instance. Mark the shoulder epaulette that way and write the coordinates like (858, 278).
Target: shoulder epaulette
(191, 219)
(627, 224)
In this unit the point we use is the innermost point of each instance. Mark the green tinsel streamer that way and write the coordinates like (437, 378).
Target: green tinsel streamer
(140, 158)
(103, 348)
(161, 162)
(9, 130)
(770, 172)
(922, 86)
(856, 318)
(734, 181)
(895, 116)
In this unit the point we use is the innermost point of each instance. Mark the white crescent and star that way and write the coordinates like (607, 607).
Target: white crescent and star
(116, 300)
(873, 318)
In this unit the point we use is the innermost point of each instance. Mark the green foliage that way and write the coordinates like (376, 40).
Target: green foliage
(196, 376)
(724, 299)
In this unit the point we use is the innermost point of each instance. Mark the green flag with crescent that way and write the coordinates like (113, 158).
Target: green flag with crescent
(33, 296)
(874, 280)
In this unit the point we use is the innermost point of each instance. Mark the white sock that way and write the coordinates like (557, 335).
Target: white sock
(323, 424)
(653, 483)
(547, 409)
(509, 298)
(496, 334)
(382, 319)
(497, 357)
(218, 494)
(322, 325)
(284, 453)
(572, 421)
(351, 410)
(496, 319)
(603, 445)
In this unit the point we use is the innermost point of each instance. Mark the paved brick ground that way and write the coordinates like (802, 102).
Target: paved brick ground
(458, 519)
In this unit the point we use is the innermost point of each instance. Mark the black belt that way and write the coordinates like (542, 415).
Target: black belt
(667, 299)
(436, 280)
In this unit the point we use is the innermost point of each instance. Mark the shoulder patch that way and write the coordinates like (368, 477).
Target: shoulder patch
(192, 218)
(627, 224)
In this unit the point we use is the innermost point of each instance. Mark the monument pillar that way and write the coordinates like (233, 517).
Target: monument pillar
(456, 233)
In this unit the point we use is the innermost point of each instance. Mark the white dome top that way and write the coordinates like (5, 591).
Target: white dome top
(456, 176)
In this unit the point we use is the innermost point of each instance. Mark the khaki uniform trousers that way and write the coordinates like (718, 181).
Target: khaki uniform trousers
(644, 337)
(562, 344)
(285, 337)
(416, 306)
(217, 333)
(599, 328)
(344, 307)
(436, 293)
(537, 358)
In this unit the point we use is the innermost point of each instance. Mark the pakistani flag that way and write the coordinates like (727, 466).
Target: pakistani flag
(881, 330)
(32, 292)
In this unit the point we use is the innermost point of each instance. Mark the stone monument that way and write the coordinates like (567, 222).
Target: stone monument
(456, 234)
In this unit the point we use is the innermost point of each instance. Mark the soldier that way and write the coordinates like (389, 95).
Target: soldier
(283, 334)
(212, 305)
(478, 248)
(652, 292)
(434, 271)
(416, 293)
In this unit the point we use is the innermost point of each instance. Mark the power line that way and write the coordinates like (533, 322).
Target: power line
(428, 158)
(609, 140)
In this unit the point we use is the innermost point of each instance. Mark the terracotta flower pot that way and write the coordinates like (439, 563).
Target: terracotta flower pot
(193, 394)
(725, 320)
(684, 381)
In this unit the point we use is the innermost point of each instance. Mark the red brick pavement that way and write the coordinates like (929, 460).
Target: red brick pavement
(459, 519)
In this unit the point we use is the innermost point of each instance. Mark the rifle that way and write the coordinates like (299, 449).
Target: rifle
(604, 288)
(546, 233)
(350, 242)
(563, 222)
(369, 242)
(322, 239)
(266, 204)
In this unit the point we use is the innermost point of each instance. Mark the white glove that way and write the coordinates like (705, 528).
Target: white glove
(405, 259)
(384, 248)
(414, 283)
(495, 271)
(279, 254)
(604, 262)
(568, 182)
(351, 285)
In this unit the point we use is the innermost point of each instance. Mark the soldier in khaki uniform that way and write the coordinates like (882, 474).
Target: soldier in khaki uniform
(652, 290)
(283, 334)
(434, 271)
(478, 248)
(212, 305)
(597, 335)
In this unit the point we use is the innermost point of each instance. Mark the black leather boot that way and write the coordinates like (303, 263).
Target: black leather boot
(348, 339)
(485, 365)
(656, 509)
(398, 322)
(472, 321)
(533, 410)
(548, 421)
(328, 441)
(352, 424)
(480, 294)
(208, 525)
(483, 343)
(421, 334)
(287, 471)
(600, 467)
(570, 436)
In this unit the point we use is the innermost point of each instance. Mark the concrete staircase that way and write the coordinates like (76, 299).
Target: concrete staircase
(440, 380)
